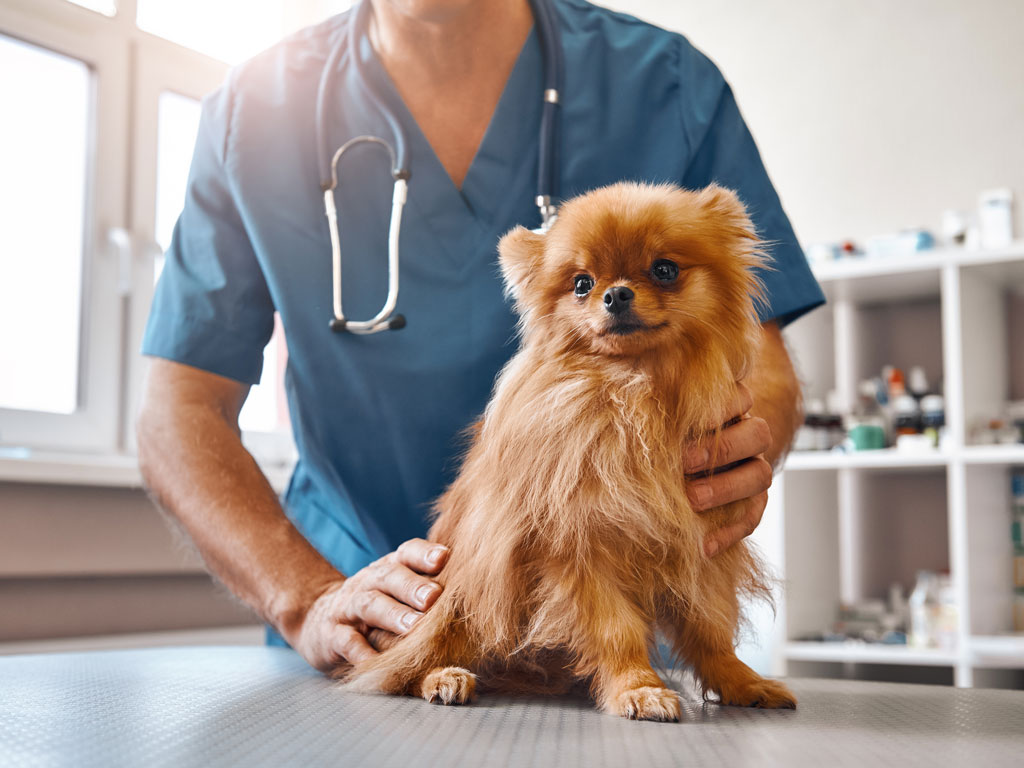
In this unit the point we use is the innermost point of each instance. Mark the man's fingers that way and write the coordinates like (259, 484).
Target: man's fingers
(422, 556)
(409, 587)
(744, 399)
(347, 644)
(723, 538)
(742, 482)
(745, 438)
(741, 402)
(376, 609)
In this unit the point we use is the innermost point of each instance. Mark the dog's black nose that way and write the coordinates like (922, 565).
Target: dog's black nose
(618, 299)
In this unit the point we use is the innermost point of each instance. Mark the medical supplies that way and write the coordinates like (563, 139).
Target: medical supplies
(995, 218)
(990, 226)
(892, 410)
(926, 613)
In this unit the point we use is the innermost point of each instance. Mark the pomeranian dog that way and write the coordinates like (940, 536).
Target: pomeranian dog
(572, 540)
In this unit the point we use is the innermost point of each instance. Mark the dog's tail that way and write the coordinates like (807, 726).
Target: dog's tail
(438, 639)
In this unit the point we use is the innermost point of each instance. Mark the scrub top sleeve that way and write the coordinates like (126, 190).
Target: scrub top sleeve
(211, 309)
(727, 155)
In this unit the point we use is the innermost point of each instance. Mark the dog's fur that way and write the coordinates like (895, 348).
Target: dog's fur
(571, 536)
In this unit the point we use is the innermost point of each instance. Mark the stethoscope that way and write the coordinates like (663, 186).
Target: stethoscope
(551, 50)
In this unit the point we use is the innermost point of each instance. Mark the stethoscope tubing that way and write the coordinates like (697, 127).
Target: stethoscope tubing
(549, 37)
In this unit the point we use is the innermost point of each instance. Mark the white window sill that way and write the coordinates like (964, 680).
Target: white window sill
(109, 471)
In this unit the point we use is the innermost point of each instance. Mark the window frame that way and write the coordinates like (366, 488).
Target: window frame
(95, 424)
(130, 68)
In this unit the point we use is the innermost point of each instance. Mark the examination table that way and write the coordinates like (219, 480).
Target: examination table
(255, 706)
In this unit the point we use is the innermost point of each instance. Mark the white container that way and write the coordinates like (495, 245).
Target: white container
(946, 615)
(924, 601)
(995, 218)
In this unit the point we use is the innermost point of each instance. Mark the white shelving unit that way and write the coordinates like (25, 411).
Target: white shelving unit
(851, 524)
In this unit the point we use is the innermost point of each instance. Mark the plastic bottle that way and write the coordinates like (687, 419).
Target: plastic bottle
(923, 603)
(833, 421)
(808, 434)
(917, 382)
(895, 382)
(945, 614)
(933, 418)
(906, 416)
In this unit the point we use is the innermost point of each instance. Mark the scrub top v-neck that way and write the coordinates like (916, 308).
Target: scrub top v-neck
(379, 420)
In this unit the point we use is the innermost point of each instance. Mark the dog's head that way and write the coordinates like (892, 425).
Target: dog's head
(632, 268)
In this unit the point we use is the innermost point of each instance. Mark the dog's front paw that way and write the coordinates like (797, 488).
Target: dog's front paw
(767, 694)
(647, 703)
(448, 685)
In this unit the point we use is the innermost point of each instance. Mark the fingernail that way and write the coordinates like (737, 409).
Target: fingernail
(409, 619)
(436, 554)
(696, 458)
(423, 593)
(711, 548)
(701, 494)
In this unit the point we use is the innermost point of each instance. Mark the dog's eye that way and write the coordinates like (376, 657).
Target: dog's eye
(584, 284)
(665, 271)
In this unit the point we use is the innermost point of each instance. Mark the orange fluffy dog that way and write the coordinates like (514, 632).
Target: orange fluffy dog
(571, 536)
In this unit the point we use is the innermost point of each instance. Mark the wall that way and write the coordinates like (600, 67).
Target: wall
(873, 115)
(98, 561)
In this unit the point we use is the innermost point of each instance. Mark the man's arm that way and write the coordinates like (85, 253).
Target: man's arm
(770, 411)
(193, 462)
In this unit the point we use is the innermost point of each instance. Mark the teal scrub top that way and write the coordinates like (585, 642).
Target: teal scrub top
(378, 419)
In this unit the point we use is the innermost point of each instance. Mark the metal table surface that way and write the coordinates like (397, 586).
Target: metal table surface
(257, 706)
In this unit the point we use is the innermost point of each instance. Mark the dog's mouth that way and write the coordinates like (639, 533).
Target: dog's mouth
(628, 326)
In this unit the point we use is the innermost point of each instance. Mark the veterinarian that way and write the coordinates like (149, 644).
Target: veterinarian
(377, 419)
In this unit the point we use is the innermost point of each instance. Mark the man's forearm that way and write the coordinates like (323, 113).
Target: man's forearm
(776, 390)
(195, 465)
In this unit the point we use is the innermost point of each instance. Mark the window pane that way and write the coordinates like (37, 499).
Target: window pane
(231, 30)
(266, 409)
(177, 126)
(44, 142)
(106, 7)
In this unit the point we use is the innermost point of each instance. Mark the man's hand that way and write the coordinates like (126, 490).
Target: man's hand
(389, 594)
(731, 467)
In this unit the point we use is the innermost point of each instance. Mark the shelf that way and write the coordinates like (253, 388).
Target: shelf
(993, 454)
(959, 314)
(102, 471)
(885, 459)
(915, 276)
(865, 653)
(997, 651)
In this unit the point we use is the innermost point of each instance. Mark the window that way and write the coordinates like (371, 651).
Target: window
(212, 26)
(95, 147)
(178, 124)
(42, 192)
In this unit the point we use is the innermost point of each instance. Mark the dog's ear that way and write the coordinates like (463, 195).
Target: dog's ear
(520, 252)
(727, 208)
(721, 201)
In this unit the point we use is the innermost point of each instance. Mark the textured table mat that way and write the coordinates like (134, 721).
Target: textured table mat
(256, 706)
